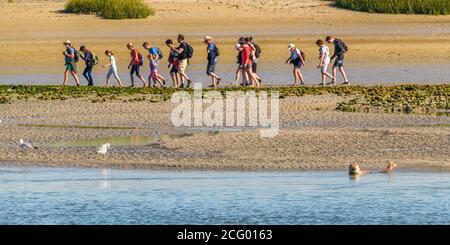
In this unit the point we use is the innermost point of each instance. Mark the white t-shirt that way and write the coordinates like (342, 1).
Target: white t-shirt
(325, 51)
(113, 62)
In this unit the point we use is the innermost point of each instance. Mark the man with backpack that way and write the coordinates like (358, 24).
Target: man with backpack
(90, 60)
(340, 48)
(156, 52)
(71, 57)
(185, 52)
(213, 53)
(135, 63)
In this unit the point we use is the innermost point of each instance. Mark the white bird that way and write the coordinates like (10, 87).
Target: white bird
(103, 149)
(26, 145)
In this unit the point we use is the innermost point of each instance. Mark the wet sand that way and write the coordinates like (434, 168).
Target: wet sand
(313, 136)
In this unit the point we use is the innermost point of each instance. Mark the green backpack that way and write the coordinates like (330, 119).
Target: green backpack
(95, 59)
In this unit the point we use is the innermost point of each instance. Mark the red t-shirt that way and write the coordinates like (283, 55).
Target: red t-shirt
(246, 53)
(135, 57)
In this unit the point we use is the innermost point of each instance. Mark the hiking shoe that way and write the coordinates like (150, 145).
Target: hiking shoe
(346, 83)
(219, 80)
(189, 83)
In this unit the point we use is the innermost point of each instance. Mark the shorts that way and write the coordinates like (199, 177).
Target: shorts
(135, 69)
(72, 67)
(173, 70)
(339, 62)
(324, 68)
(254, 67)
(112, 72)
(297, 64)
(247, 67)
(182, 65)
(211, 67)
(154, 74)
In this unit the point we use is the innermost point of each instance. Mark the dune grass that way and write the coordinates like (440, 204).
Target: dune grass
(420, 99)
(111, 9)
(431, 7)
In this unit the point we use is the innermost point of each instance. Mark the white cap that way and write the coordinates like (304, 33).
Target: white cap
(238, 45)
(290, 46)
(67, 42)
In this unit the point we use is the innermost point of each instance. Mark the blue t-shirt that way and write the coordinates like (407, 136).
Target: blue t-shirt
(211, 49)
(69, 51)
(153, 50)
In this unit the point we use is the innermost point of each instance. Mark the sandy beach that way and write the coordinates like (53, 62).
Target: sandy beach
(313, 135)
(35, 29)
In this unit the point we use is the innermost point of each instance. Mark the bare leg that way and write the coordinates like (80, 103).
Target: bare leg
(237, 76)
(300, 76)
(75, 76)
(341, 69)
(295, 76)
(334, 75)
(159, 81)
(118, 80)
(66, 77)
(143, 80)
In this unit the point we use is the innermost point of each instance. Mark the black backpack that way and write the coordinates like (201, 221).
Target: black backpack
(160, 54)
(189, 51)
(343, 45)
(258, 50)
(216, 50)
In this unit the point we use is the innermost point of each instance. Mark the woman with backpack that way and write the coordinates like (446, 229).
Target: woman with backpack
(71, 57)
(297, 59)
(90, 60)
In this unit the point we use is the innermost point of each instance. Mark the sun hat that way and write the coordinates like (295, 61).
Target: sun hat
(67, 42)
(208, 38)
(291, 46)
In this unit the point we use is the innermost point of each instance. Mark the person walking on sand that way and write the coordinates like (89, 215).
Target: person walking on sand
(212, 55)
(340, 48)
(90, 61)
(256, 54)
(112, 68)
(185, 52)
(173, 65)
(297, 60)
(324, 57)
(154, 71)
(135, 63)
(247, 63)
(240, 69)
(70, 59)
(154, 51)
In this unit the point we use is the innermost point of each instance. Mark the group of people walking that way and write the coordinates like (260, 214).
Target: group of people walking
(248, 54)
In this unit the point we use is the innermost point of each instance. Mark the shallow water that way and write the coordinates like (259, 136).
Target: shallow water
(96, 196)
(137, 140)
(272, 74)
